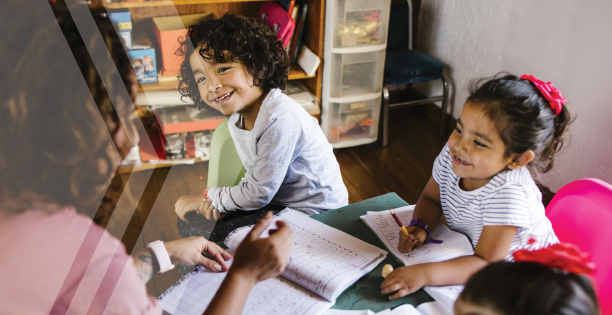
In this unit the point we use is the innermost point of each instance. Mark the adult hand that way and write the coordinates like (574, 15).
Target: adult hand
(191, 250)
(262, 258)
(404, 280)
(416, 237)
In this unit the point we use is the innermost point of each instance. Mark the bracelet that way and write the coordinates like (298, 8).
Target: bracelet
(161, 254)
(425, 227)
(204, 194)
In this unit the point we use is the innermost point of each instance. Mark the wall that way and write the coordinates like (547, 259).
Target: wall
(564, 41)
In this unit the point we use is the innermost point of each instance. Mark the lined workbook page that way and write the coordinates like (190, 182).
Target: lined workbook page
(192, 294)
(322, 259)
(455, 244)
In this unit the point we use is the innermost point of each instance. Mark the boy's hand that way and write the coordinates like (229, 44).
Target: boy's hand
(208, 211)
(262, 258)
(187, 204)
(191, 203)
(404, 280)
(190, 250)
(417, 236)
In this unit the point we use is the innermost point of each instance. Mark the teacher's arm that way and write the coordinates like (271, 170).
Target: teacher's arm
(256, 259)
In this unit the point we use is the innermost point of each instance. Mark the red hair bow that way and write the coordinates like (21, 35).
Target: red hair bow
(549, 91)
(564, 256)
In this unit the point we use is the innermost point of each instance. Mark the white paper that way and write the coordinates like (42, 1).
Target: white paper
(455, 244)
(322, 259)
(195, 291)
(446, 296)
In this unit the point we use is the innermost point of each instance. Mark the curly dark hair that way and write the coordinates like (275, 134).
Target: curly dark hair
(530, 288)
(523, 118)
(57, 110)
(246, 40)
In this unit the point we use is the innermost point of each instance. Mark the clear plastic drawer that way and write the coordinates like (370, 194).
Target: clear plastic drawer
(358, 73)
(361, 22)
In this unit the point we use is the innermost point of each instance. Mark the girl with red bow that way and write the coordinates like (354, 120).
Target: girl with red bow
(509, 130)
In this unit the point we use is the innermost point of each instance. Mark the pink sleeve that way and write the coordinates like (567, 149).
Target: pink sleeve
(110, 284)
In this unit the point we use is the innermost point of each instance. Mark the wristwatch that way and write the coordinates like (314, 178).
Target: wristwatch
(161, 255)
(425, 227)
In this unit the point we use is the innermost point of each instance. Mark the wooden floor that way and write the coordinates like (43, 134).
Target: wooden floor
(403, 167)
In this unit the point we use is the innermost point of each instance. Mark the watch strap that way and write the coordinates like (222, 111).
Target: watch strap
(161, 255)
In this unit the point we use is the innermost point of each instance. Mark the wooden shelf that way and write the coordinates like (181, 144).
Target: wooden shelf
(149, 4)
(296, 73)
(129, 168)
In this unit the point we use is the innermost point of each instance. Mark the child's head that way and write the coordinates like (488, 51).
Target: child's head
(507, 288)
(523, 117)
(229, 61)
(64, 125)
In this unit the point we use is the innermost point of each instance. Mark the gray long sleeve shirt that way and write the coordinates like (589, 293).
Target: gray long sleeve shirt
(288, 161)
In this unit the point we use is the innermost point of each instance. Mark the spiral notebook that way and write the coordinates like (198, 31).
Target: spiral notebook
(322, 263)
(382, 224)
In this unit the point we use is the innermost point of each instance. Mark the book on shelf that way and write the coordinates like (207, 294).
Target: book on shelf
(299, 93)
(383, 225)
(299, 33)
(322, 263)
(308, 61)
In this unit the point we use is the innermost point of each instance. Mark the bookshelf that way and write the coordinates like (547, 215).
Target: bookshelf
(313, 32)
(142, 13)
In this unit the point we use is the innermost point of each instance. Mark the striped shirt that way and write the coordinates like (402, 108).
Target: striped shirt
(511, 197)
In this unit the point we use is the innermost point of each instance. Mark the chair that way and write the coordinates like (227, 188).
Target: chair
(581, 214)
(404, 66)
(224, 166)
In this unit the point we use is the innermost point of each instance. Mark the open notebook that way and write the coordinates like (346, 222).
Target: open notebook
(382, 224)
(322, 263)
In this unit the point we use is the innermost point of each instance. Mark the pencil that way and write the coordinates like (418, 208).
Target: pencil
(397, 220)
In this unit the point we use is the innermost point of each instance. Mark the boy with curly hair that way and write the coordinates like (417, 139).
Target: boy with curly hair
(238, 66)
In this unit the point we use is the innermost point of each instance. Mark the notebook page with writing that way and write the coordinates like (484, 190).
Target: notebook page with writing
(322, 263)
(382, 224)
(192, 294)
(322, 259)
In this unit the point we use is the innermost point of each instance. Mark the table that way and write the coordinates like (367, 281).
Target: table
(365, 293)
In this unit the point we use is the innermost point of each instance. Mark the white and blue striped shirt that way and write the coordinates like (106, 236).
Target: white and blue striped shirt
(511, 197)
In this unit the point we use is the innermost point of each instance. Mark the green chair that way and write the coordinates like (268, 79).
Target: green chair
(224, 165)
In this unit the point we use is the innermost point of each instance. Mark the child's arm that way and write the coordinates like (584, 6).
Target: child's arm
(493, 245)
(279, 145)
(189, 203)
(428, 209)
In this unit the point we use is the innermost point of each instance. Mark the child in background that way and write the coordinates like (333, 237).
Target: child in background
(482, 182)
(237, 66)
(545, 282)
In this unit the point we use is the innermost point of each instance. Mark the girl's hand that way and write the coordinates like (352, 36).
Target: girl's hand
(417, 236)
(261, 258)
(404, 280)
